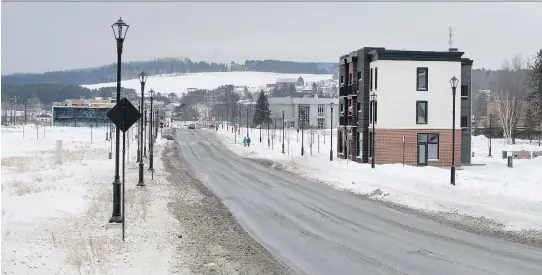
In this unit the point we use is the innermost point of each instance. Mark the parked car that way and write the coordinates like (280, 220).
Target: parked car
(168, 133)
(192, 126)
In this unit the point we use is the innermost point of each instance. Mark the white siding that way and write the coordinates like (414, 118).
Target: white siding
(397, 95)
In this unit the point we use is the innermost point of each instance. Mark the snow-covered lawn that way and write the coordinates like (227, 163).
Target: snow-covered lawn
(54, 216)
(511, 196)
(180, 83)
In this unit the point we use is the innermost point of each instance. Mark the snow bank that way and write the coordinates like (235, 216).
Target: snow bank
(54, 216)
(511, 196)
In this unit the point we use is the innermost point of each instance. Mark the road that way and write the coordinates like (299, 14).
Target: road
(315, 229)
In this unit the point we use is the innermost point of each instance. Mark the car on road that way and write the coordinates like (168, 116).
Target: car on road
(192, 126)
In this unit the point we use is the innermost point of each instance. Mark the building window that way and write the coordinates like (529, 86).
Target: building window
(371, 80)
(320, 109)
(464, 121)
(421, 112)
(342, 79)
(428, 148)
(350, 79)
(359, 107)
(376, 78)
(359, 76)
(422, 79)
(464, 91)
(320, 123)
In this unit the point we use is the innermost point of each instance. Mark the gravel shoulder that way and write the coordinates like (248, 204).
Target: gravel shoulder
(212, 240)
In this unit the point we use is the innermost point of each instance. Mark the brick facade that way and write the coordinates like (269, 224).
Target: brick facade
(389, 146)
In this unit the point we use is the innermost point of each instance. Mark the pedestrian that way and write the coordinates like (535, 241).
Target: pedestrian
(245, 141)
(248, 141)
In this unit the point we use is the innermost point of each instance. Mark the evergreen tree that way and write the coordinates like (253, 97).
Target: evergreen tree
(262, 112)
(536, 83)
(530, 122)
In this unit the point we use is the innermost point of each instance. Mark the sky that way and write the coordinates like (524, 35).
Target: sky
(39, 37)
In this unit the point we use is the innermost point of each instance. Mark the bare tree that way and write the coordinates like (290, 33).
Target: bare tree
(311, 138)
(511, 95)
(288, 135)
(324, 133)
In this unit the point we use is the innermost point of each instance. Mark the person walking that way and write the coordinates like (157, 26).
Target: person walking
(245, 141)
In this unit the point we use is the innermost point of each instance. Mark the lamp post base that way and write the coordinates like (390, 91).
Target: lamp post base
(452, 179)
(283, 148)
(116, 217)
(372, 162)
(302, 150)
(330, 155)
(141, 181)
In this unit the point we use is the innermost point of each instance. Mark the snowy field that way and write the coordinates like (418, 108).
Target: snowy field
(180, 83)
(54, 216)
(510, 196)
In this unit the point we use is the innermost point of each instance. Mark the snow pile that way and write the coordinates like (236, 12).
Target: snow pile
(511, 196)
(179, 84)
(54, 216)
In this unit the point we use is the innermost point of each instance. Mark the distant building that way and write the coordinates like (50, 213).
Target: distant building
(44, 118)
(315, 112)
(82, 112)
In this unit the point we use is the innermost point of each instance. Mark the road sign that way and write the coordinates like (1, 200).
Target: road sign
(124, 114)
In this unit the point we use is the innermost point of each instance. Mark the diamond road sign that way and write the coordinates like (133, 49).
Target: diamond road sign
(124, 114)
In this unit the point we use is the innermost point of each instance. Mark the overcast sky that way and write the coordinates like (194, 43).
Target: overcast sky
(38, 37)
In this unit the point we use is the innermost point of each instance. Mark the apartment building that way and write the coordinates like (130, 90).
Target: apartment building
(412, 113)
(311, 112)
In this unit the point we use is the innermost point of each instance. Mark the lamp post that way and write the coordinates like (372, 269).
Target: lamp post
(490, 134)
(373, 102)
(119, 30)
(145, 121)
(142, 80)
(283, 131)
(453, 81)
(261, 131)
(268, 140)
(151, 92)
(302, 126)
(331, 133)
(248, 136)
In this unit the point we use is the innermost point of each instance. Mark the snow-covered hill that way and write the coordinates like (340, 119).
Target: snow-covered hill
(180, 83)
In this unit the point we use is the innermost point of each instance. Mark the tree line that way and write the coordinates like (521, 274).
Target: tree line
(130, 70)
(510, 97)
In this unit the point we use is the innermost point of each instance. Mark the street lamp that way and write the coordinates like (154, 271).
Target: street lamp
(151, 92)
(142, 79)
(331, 133)
(453, 81)
(302, 126)
(283, 131)
(119, 30)
(490, 134)
(373, 102)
